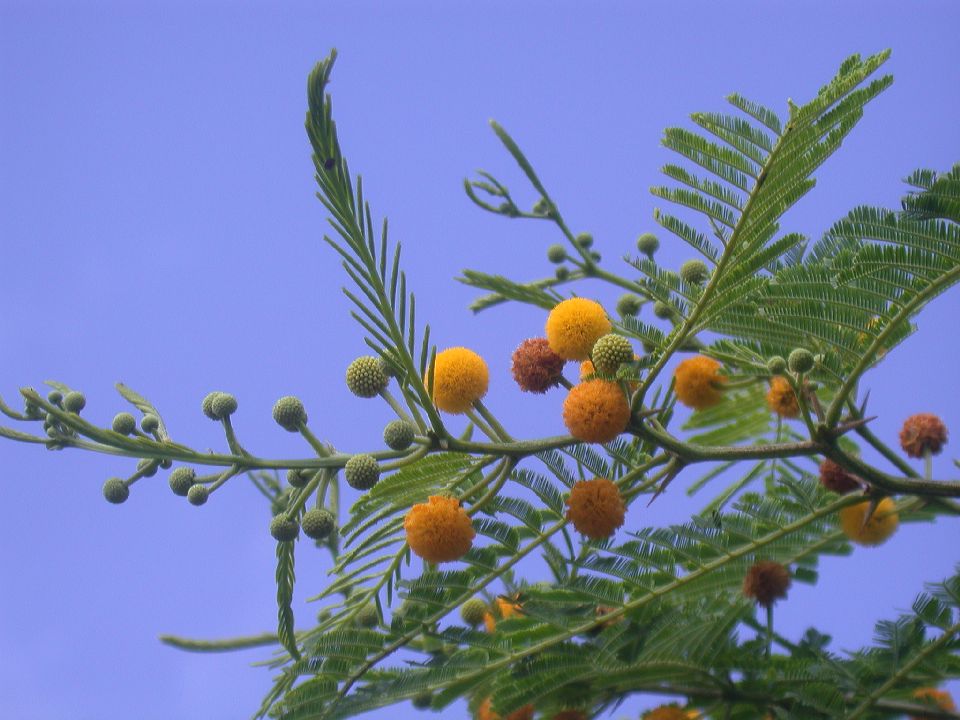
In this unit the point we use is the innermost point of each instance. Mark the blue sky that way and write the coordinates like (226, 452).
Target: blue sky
(158, 226)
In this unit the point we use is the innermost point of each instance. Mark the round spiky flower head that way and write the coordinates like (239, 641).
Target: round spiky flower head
(472, 611)
(124, 423)
(398, 434)
(595, 507)
(181, 480)
(362, 471)
(74, 401)
(460, 378)
(777, 365)
(207, 405)
(298, 478)
(198, 494)
(439, 530)
(882, 524)
(318, 523)
(648, 244)
(366, 376)
(289, 413)
(923, 433)
(596, 411)
(584, 240)
(766, 582)
(666, 712)
(663, 310)
(536, 367)
(115, 491)
(781, 399)
(801, 361)
(628, 304)
(939, 699)
(368, 616)
(150, 423)
(574, 325)
(610, 352)
(697, 381)
(284, 528)
(485, 712)
(224, 405)
(694, 272)
(835, 479)
(556, 253)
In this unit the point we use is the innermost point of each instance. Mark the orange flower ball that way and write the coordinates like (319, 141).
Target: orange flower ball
(596, 411)
(923, 433)
(940, 699)
(781, 399)
(696, 382)
(666, 712)
(439, 530)
(883, 523)
(460, 378)
(573, 327)
(596, 508)
(485, 712)
(504, 609)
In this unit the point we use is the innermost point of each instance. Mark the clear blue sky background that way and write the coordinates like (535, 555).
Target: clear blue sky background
(158, 226)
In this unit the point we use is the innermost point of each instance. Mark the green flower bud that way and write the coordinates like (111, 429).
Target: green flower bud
(611, 351)
(422, 701)
(777, 365)
(398, 435)
(562, 273)
(166, 463)
(368, 616)
(595, 256)
(223, 405)
(124, 423)
(318, 523)
(149, 423)
(694, 272)
(147, 467)
(556, 253)
(54, 397)
(366, 377)
(289, 413)
(541, 207)
(800, 361)
(198, 494)
(628, 304)
(181, 480)
(473, 610)
(648, 244)
(362, 471)
(207, 405)
(115, 491)
(298, 478)
(584, 240)
(74, 402)
(662, 310)
(32, 411)
(284, 529)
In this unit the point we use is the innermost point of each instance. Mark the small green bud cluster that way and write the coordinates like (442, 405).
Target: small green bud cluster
(777, 365)
(473, 610)
(556, 253)
(115, 491)
(398, 435)
(584, 240)
(562, 273)
(422, 701)
(55, 397)
(801, 361)
(663, 310)
(74, 402)
(694, 272)
(284, 528)
(289, 413)
(648, 244)
(219, 405)
(318, 523)
(299, 478)
(181, 480)
(124, 423)
(541, 207)
(150, 423)
(366, 376)
(368, 616)
(611, 351)
(628, 304)
(198, 494)
(362, 471)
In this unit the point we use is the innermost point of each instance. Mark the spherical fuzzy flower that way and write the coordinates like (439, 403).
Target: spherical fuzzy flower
(611, 351)
(472, 611)
(460, 378)
(398, 434)
(595, 508)
(366, 376)
(766, 582)
(284, 528)
(628, 304)
(124, 423)
(777, 365)
(207, 405)
(289, 413)
(439, 530)
(696, 381)
(648, 244)
(223, 405)
(362, 471)
(883, 523)
(835, 479)
(485, 712)
(556, 253)
(781, 399)
(665, 712)
(74, 402)
(150, 423)
(801, 361)
(571, 715)
(298, 478)
(318, 523)
(939, 699)
(198, 494)
(115, 491)
(596, 411)
(584, 240)
(694, 271)
(574, 325)
(923, 433)
(181, 480)
(536, 367)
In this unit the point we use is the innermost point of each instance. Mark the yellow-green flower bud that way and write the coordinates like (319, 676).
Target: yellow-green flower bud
(74, 402)
(398, 435)
(198, 494)
(611, 351)
(777, 365)
(124, 423)
(648, 244)
(223, 405)
(362, 471)
(318, 523)
(800, 361)
(284, 528)
(181, 480)
(366, 377)
(584, 240)
(628, 304)
(289, 413)
(473, 610)
(115, 491)
(556, 253)
(694, 272)
(149, 423)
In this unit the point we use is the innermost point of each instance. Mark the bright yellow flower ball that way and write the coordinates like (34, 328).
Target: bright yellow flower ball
(460, 378)
(883, 523)
(696, 382)
(573, 327)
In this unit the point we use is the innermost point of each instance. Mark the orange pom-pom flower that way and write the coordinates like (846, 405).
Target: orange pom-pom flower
(574, 325)
(596, 411)
(940, 699)
(697, 381)
(439, 530)
(882, 524)
(460, 378)
(485, 712)
(781, 399)
(595, 507)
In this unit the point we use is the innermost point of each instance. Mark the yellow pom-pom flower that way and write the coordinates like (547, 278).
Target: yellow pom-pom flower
(460, 378)
(439, 530)
(781, 399)
(596, 411)
(596, 508)
(882, 524)
(666, 712)
(939, 699)
(573, 327)
(697, 382)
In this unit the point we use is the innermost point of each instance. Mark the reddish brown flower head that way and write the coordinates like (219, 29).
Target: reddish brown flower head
(536, 367)
(766, 582)
(923, 433)
(835, 479)
(596, 508)
(571, 715)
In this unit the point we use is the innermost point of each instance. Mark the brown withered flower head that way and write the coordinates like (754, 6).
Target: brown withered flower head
(923, 433)
(536, 367)
(835, 479)
(766, 582)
